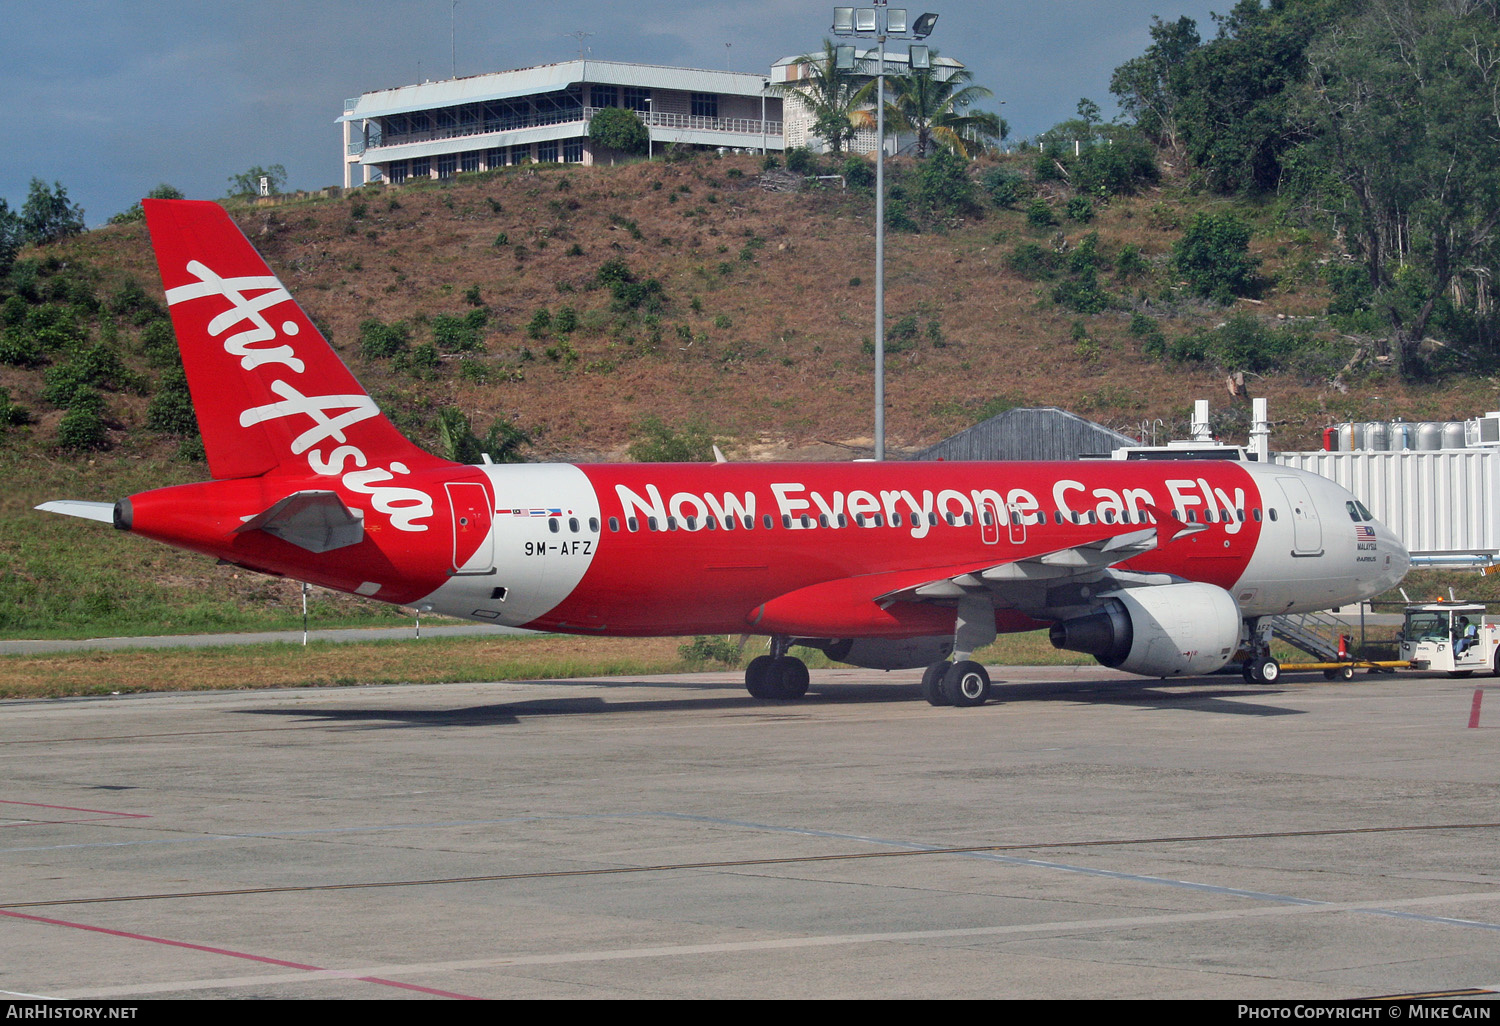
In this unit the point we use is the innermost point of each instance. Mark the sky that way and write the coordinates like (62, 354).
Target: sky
(113, 97)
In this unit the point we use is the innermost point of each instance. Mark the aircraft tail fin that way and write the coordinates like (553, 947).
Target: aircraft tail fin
(269, 391)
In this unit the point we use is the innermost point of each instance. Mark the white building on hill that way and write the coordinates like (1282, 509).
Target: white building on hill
(439, 129)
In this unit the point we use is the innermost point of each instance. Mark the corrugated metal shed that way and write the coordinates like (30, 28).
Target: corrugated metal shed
(1039, 433)
(1440, 502)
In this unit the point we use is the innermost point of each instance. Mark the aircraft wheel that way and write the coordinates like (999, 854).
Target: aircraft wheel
(788, 678)
(758, 677)
(932, 684)
(1267, 671)
(1247, 670)
(966, 684)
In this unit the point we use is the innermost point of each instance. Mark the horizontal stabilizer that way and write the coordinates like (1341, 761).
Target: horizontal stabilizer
(104, 512)
(315, 521)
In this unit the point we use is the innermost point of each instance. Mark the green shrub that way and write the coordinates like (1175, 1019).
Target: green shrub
(1031, 260)
(659, 443)
(171, 411)
(1081, 209)
(454, 334)
(1040, 215)
(82, 427)
(1003, 186)
(703, 650)
(381, 341)
(1214, 256)
(801, 161)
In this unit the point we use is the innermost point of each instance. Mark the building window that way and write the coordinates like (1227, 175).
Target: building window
(637, 99)
(604, 96)
(520, 154)
(494, 158)
(546, 152)
(470, 161)
(421, 167)
(705, 105)
(573, 151)
(447, 118)
(447, 164)
(395, 172)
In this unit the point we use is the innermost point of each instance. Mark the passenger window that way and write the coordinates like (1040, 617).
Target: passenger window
(786, 520)
(691, 522)
(951, 519)
(671, 523)
(633, 524)
(1272, 512)
(614, 523)
(822, 519)
(651, 524)
(843, 520)
(553, 525)
(594, 525)
(766, 521)
(895, 519)
(1255, 514)
(573, 524)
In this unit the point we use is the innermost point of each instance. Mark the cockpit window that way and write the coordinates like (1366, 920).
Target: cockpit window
(1353, 511)
(1364, 510)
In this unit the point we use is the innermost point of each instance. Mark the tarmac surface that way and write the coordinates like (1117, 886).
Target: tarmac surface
(1086, 834)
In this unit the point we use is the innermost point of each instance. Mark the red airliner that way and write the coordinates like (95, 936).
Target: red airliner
(1155, 567)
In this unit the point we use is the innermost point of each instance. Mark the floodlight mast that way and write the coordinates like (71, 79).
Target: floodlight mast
(880, 22)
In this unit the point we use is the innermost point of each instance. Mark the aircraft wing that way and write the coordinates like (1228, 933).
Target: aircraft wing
(1032, 584)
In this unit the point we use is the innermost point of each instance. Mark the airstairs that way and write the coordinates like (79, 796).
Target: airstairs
(1317, 634)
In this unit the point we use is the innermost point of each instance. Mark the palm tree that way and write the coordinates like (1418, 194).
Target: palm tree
(935, 111)
(832, 94)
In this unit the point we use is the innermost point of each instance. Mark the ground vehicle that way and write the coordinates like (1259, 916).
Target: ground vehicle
(1434, 637)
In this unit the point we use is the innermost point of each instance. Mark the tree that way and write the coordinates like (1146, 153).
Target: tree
(1403, 109)
(832, 95)
(48, 216)
(615, 128)
(136, 213)
(936, 112)
(248, 183)
(1150, 87)
(12, 236)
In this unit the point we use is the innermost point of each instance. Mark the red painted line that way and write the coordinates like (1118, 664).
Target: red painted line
(69, 808)
(231, 954)
(1474, 711)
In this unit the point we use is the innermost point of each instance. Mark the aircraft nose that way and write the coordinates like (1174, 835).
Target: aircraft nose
(1395, 561)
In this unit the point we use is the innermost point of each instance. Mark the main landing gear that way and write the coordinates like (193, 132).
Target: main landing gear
(777, 675)
(963, 682)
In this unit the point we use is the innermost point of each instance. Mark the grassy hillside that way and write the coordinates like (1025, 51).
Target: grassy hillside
(685, 291)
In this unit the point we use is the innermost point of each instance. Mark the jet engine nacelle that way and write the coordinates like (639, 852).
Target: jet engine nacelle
(885, 653)
(1157, 632)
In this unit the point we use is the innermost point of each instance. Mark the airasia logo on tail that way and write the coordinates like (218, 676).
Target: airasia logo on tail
(250, 299)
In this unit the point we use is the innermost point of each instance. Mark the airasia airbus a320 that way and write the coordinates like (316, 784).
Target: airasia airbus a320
(1158, 568)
